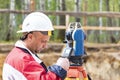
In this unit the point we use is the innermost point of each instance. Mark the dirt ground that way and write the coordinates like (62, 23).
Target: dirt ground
(104, 65)
(2, 58)
(100, 64)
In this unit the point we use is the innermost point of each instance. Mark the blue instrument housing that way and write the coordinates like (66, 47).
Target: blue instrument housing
(78, 37)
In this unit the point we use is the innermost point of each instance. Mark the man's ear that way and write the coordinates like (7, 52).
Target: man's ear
(30, 36)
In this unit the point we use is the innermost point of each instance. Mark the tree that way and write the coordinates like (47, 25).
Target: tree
(42, 5)
(109, 20)
(62, 19)
(77, 8)
(12, 21)
(100, 18)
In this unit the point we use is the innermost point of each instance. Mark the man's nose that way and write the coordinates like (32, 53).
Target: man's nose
(45, 46)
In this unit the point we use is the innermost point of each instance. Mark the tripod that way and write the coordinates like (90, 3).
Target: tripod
(76, 70)
(76, 73)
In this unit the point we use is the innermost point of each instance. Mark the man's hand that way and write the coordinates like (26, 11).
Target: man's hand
(63, 62)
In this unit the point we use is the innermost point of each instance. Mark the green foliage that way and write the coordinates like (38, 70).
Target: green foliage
(3, 25)
(4, 4)
(70, 5)
(91, 38)
(93, 21)
(55, 36)
(3, 19)
(101, 37)
(93, 5)
(19, 4)
(104, 38)
(50, 5)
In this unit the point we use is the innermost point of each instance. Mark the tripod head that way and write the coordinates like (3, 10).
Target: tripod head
(74, 39)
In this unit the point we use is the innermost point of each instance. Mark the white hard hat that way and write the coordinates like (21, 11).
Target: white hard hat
(36, 21)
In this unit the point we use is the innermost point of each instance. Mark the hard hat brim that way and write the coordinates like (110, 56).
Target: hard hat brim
(21, 31)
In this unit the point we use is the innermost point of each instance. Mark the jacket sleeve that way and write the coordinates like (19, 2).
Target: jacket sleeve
(58, 70)
(34, 71)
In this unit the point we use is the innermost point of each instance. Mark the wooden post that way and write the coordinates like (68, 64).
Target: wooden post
(67, 20)
(32, 5)
(85, 9)
(85, 17)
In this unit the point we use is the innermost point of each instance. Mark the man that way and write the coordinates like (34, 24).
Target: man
(22, 63)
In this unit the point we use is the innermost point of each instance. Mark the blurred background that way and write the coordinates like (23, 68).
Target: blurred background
(100, 19)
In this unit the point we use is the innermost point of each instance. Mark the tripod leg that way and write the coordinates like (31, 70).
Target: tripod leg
(67, 79)
(89, 78)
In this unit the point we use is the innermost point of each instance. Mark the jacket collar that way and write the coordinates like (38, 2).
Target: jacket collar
(21, 44)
